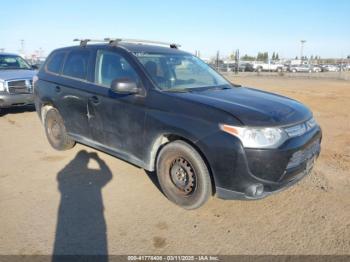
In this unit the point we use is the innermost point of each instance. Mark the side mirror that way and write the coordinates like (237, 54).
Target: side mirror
(35, 67)
(124, 86)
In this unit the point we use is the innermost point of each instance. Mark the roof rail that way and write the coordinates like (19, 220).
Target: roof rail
(115, 41)
(83, 42)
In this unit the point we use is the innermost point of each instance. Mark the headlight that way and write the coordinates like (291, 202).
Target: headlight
(2, 86)
(251, 137)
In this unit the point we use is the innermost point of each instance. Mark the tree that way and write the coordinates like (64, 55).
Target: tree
(277, 56)
(273, 56)
(248, 58)
(262, 56)
(266, 56)
(296, 58)
(348, 57)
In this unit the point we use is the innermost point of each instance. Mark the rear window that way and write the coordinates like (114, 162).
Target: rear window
(76, 64)
(55, 63)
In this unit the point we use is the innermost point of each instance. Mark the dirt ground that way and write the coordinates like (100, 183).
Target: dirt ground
(59, 202)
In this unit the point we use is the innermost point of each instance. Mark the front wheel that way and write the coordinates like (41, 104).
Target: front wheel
(56, 131)
(183, 175)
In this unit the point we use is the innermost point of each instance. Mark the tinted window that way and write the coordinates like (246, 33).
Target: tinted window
(111, 66)
(55, 63)
(76, 64)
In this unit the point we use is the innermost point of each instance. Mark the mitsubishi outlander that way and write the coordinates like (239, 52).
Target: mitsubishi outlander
(167, 111)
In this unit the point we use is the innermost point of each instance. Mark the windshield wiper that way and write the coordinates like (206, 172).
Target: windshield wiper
(222, 87)
(178, 90)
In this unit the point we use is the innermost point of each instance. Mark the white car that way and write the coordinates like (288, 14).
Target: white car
(331, 68)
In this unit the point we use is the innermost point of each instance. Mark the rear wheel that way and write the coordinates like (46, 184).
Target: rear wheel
(56, 131)
(183, 175)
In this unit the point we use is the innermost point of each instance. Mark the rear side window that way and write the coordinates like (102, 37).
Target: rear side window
(76, 64)
(55, 63)
(111, 66)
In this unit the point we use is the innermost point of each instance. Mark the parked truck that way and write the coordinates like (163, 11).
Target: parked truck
(270, 66)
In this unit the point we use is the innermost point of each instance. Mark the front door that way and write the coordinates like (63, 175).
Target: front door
(116, 120)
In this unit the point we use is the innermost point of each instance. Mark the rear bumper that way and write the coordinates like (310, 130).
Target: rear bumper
(248, 174)
(10, 100)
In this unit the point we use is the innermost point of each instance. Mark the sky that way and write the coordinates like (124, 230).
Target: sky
(250, 26)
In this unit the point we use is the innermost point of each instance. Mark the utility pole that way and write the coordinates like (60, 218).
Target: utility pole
(22, 47)
(302, 42)
(217, 60)
(237, 61)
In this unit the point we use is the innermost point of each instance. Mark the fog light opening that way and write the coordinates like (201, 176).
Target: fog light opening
(255, 190)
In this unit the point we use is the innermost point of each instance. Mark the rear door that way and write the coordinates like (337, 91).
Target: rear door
(72, 92)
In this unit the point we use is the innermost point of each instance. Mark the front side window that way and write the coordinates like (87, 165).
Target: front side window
(55, 63)
(13, 62)
(76, 64)
(111, 66)
(179, 71)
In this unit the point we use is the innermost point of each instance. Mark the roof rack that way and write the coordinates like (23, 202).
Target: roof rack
(83, 42)
(115, 41)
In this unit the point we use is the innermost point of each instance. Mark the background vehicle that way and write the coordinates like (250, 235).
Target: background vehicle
(316, 69)
(232, 67)
(301, 68)
(15, 81)
(330, 68)
(167, 111)
(270, 66)
(246, 67)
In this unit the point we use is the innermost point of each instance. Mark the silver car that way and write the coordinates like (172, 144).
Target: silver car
(16, 81)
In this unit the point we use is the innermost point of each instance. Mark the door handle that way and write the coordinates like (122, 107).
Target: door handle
(94, 99)
(57, 89)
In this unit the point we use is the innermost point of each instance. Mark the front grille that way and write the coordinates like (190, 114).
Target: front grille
(20, 86)
(302, 155)
(300, 129)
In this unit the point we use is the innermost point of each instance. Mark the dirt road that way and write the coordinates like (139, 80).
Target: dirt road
(53, 200)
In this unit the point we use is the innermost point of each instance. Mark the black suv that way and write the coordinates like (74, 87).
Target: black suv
(167, 111)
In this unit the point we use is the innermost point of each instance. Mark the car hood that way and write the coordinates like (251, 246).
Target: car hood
(251, 106)
(9, 74)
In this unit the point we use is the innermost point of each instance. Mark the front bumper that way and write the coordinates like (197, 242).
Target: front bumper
(246, 174)
(11, 100)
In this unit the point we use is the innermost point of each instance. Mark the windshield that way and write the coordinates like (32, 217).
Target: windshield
(179, 71)
(13, 62)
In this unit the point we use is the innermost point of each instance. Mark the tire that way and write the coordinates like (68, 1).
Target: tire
(294, 71)
(279, 70)
(183, 175)
(56, 131)
(259, 69)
